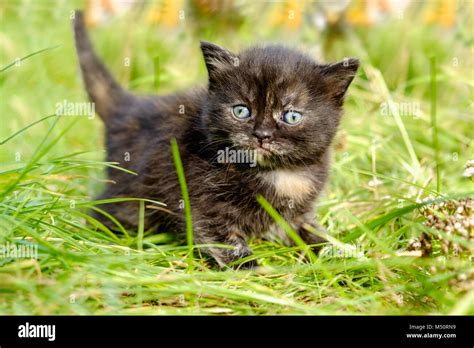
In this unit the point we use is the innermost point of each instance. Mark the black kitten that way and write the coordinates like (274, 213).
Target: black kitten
(263, 126)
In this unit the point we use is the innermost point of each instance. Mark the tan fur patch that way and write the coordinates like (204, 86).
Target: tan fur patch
(290, 183)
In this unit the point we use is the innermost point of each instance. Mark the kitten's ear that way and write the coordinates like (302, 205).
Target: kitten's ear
(339, 76)
(217, 58)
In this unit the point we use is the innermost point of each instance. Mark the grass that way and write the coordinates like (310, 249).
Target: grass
(184, 191)
(52, 168)
(286, 227)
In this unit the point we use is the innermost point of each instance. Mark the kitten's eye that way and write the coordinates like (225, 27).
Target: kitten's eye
(241, 112)
(292, 117)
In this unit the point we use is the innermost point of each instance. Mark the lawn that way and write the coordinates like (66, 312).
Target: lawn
(401, 152)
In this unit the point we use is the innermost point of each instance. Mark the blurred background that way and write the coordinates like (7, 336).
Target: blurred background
(392, 150)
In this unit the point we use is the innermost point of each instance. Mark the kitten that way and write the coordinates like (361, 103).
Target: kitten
(271, 101)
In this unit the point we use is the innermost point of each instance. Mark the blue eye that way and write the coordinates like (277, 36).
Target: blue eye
(292, 117)
(241, 112)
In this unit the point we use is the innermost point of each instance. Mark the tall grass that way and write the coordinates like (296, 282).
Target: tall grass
(184, 191)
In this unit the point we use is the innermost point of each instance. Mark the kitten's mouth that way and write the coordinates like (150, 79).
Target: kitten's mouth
(260, 150)
(264, 148)
(264, 154)
(267, 148)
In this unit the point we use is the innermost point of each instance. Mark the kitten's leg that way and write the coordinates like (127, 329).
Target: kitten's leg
(126, 213)
(224, 256)
(311, 238)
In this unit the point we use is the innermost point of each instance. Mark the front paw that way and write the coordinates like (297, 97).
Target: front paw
(232, 257)
(240, 252)
(311, 238)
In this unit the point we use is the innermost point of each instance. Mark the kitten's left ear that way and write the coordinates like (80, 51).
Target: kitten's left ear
(217, 58)
(339, 76)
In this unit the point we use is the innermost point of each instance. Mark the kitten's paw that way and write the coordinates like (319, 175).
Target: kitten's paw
(231, 257)
(250, 264)
(311, 239)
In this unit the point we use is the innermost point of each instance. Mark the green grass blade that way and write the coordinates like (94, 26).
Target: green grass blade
(288, 229)
(184, 192)
(28, 56)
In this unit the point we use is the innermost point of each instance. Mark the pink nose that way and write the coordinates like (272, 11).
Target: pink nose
(263, 133)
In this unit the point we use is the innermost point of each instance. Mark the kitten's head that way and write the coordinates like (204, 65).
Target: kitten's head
(274, 101)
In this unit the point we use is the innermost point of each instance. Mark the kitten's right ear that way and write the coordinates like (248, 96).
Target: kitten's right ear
(339, 76)
(217, 58)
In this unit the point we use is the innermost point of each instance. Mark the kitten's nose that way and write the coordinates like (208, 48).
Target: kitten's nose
(263, 133)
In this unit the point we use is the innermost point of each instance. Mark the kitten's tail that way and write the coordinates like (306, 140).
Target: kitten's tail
(106, 94)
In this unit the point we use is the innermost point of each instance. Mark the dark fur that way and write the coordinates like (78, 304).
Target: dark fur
(269, 80)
